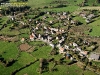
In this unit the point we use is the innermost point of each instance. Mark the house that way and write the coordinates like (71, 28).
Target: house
(65, 23)
(90, 16)
(72, 22)
(52, 32)
(51, 22)
(62, 30)
(94, 56)
(68, 56)
(60, 41)
(74, 49)
(61, 50)
(44, 17)
(45, 27)
(58, 13)
(53, 15)
(53, 29)
(70, 44)
(36, 28)
(22, 40)
(31, 37)
(66, 47)
(11, 17)
(52, 45)
(78, 49)
(30, 20)
(49, 38)
(83, 53)
(68, 18)
(87, 20)
(57, 38)
(74, 44)
(48, 13)
(58, 45)
(39, 36)
(63, 16)
(64, 13)
(83, 15)
(72, 59)
(36, 22)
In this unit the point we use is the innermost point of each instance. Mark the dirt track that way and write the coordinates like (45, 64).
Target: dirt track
(90, 8)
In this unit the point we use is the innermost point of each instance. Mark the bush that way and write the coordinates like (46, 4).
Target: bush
(60, 6)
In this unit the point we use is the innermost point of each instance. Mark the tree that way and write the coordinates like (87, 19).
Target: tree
(98, 1)
(86, 61)
(53, 52)
(84, 1)
(2, 1)
(82, 4)
(22, 0)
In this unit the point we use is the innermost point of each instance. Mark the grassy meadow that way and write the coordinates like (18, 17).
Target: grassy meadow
(10, 50)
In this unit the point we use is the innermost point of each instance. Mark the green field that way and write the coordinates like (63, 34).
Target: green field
(95, 28)
(10, 50)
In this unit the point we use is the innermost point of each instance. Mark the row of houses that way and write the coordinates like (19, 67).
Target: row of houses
(65, 48)
(48, 34)
(88, 17)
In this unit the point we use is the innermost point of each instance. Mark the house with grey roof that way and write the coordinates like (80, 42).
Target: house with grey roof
(94, 56)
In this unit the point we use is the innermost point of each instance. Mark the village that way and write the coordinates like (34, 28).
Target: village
(49, 39)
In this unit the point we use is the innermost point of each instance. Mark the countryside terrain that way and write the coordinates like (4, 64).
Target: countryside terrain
(49, 37)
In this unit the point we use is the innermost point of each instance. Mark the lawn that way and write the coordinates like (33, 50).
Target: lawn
(8, 50)
(80, 19)
(89, 73)
(6, 31)
(42, 52)
(25, 58)
(95, 28)
(90, 2)
(61, 70)
(68, 8)
(38, 3)
(96, 63)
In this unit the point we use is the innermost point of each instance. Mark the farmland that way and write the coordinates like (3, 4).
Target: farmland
(50, 37)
